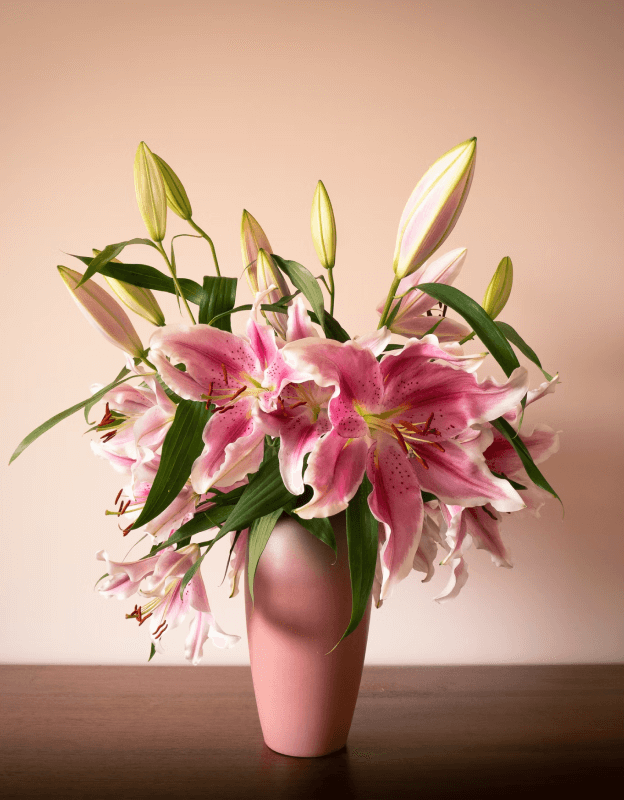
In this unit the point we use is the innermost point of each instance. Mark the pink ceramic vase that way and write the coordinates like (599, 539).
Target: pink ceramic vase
(302, 592)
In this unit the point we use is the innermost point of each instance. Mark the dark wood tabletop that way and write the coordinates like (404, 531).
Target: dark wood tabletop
(463, 731)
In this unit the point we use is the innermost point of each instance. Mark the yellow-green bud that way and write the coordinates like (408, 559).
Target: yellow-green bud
(323, 227)
(177, 198)
(150, 192)
(253, 238)
(136, 298)
(497, 293)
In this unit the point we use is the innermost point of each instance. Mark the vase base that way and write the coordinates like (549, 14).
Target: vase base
(306, 753)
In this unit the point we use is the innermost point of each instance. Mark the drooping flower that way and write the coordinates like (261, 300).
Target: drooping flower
(237, 375)
(160, 579)
(411, 318)
(401, 419)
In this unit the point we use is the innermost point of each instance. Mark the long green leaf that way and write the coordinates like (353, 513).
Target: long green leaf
(503, 427)
(481, 323)
(183, 444)
(220, 296)
(259, 534)
(265, 493)
(149, 278)
(67, 413)
(514, 337)
(362, 542)
(302, 279)
(110, 252)
(320, 527)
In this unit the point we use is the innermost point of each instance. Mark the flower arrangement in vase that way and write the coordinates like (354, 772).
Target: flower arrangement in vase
(301, 423)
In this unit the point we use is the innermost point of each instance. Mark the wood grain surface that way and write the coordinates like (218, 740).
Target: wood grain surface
(156, 732)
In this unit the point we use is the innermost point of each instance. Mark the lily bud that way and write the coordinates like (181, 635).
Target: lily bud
(323, 227)
(103, 312)
(177, 198)
(265, 274)
(150, 192)
(253, 238)
(434, 207)
(497, 293)
(136, 298)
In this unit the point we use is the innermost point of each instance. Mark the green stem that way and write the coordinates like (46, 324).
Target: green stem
(196, 227)
(467, 338)
(175, 280)
(389, 299)
(332, 289)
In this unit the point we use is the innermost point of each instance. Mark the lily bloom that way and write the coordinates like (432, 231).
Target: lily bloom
(401, 419)
(235, 374)
(412, 318)
(161, 576)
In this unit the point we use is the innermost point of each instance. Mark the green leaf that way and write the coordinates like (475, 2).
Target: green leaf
(212, 518)
(512, 336)
(28, 440)
(503, 427)
(362, 542)
(259, 533)
(183, 444)
(427, 497)
(302, 279)
(320, 527)
(148, 278)
(219, 298)
(110, 252)
(264, 494)
(333, 329)
(482, 325)
(152, 652)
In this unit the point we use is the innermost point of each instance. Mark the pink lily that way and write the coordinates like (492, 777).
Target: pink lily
(400, 419)
(412, 319)
(161, 576)
(238, 375)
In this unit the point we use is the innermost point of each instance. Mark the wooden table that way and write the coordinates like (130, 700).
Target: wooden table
(427, 732)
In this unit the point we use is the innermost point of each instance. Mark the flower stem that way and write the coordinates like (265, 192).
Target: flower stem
(389, 299)
(196, 227)
(175, 280)
(467, 338)
(332, 289)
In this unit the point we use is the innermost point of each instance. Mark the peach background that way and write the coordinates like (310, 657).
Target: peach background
(252, 102)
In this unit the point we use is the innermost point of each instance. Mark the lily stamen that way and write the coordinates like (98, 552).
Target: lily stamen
(225, 374)
(400, 439)
(118, 496)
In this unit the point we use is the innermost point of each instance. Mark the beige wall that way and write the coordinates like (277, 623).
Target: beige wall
(252, 103)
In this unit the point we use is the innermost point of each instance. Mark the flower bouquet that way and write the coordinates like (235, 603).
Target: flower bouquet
(215, 433)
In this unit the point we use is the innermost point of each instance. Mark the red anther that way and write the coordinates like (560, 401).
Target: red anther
(239, 392)
(428, 423)
(224, 409)
(225, 375)
(158, 635)
(410, 426)
(108, 436)
(118, 496)
(400, 439)
(127, 530)
(142, 620)
(124, 508)
(134, 613)
(437, 446)
(296, 405)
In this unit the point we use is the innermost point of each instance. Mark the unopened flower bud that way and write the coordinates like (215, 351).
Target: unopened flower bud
(177, 198)
(150, 192)
(136, 298)
(497, 293)
(434, 207)
(103, 312)
(266, 273)
(253, 238)
(323, 227)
